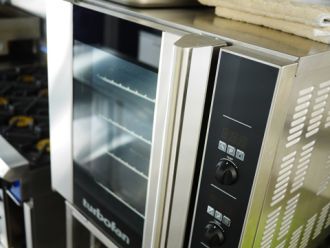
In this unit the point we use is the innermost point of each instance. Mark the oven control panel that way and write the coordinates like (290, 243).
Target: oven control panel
(241, 105)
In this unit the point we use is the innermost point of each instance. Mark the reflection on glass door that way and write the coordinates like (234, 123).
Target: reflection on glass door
(114, 98)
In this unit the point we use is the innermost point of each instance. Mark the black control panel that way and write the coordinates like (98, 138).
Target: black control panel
(241, 105)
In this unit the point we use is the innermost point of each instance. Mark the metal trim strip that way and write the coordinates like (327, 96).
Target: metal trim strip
(60, 94)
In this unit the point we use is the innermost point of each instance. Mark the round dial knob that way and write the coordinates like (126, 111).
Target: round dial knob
(214, 236)
(226, 172)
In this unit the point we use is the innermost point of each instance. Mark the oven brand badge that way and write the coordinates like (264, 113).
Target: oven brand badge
(108, 223)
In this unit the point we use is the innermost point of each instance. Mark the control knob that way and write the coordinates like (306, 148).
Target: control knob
(226, 172)
(214, 236)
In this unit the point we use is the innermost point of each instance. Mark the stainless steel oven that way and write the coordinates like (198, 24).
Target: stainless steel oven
(112, 117)
(170, 128)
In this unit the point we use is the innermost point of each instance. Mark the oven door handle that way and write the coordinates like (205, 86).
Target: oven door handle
(191, 68)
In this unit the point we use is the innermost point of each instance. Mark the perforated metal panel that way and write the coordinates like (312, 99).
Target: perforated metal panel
(308, 232)
(295, 211)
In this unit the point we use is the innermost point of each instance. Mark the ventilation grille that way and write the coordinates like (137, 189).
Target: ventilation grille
(310, 113)
(270, 228)
(325, 182)
(295, 238)
(282, 244)
(321, 220)
(318, 109)
(283, 178)
(327, 224)
(289, 212)
(299, 117)
(302, 167)
(308, 232)
(327, 122)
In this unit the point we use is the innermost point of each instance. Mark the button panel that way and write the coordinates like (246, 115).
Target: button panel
(226, 221)
(222, 146)
(210, 210)
(217, 215)
(231, 150)
(236, 128)
(240, 155)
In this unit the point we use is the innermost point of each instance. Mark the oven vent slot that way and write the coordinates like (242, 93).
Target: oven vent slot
(295, 238)
(302, 167)
(283, 178)
(289, 213)
(308, 232)
(319, 107)
(327, 124)
(325, 182)
(282, 244)
(271, 224)
(321, 220)
(299, 116)
(327, 224)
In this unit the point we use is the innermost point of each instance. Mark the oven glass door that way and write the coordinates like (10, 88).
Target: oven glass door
(115, 67)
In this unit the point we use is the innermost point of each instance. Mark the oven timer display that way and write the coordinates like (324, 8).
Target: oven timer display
(234, 137)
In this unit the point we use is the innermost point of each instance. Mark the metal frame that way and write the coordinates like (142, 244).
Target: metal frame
(308, 202)
(73, 213)
(153, 3)
(59, 40)
(162, 135)
(28, 207)
(194, 60)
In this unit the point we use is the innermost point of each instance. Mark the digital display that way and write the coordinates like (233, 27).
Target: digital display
(234, 137)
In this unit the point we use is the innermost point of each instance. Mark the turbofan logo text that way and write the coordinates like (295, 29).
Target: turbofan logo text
(109, 224)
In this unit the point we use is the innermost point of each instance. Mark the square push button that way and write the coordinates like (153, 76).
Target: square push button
(226, 221)
(210, 210)
(222, 146)
(231, 150)
(240, 155)
(218, 215)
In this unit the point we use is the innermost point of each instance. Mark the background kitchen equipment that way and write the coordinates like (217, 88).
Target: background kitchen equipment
(109, 161)
(32, 214)
(17, 30)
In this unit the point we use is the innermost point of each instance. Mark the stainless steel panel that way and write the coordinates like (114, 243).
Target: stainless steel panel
(12, 163)
(69, 225)
(162, 134)
(296, 197)
(27, 206)
(59, 31)
(194, 58)
(157, 3)
(3, 227)
(203, 21)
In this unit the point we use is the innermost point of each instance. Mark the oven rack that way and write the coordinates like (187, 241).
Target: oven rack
(126, 88)
(126, 164)
(130, 132)
(121, 200)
